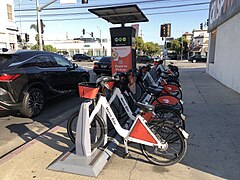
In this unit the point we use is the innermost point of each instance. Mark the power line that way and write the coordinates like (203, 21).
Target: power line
(204, 9)
(148, 8)
(92, 18)
(115, 4)
(68, 14)
(174, 6)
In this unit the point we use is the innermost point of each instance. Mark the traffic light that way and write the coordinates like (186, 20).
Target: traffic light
(83, 31)
(168, 30)
(19, 39)
(42, 26)
(207, 22)
(26, 37)
(84, 1)
(92, 34)
(163, 30)
(201, 26)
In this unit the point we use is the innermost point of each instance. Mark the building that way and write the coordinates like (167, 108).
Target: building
(199, 42)
(187, 36)
(90, 46)
(223, 59)
(8, 28)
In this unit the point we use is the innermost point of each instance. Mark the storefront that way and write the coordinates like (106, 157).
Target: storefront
(223, 58)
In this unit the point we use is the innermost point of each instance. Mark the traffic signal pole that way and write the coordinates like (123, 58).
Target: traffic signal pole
(39, 26)
(39, 9)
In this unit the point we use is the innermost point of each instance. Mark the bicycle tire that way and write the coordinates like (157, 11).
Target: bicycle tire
(178, 108)
(177, 94)
(96, 125)
(153, 153)
(165, 114)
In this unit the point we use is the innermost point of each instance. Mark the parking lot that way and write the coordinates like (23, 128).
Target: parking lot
(29, 146)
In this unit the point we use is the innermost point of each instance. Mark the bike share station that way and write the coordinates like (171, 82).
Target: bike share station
(81, 159)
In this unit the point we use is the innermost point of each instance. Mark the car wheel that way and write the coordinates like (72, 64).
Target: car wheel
(194, 61)
(32, 103)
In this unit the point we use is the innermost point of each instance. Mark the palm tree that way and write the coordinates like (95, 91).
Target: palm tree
(35, 27)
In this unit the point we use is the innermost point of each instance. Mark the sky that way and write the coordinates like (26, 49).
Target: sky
(184, 16)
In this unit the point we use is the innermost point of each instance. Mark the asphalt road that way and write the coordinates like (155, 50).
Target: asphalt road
(16, 130)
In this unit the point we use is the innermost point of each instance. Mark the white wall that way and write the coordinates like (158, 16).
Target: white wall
(7, 36)
(226, 67)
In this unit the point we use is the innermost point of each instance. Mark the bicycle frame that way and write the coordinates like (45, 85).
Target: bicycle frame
(139, 131)
(167, 88)
(118, 93)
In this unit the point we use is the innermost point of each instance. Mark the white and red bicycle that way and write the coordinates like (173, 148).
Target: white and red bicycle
(161, 142)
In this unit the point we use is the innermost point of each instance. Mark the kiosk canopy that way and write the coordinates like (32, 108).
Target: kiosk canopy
(120, 14)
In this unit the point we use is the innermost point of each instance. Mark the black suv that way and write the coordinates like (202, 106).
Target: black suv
(82, 57)
(198, 58)
(103, 66)
(28, 78)
(144, 58)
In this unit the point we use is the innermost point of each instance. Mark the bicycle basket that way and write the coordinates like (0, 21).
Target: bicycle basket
(88, 90)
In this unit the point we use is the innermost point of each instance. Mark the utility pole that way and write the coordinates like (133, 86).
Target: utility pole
(182, 48)
(101, 52)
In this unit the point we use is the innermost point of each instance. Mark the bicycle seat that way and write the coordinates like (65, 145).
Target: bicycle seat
(145, 107)
(156, 90)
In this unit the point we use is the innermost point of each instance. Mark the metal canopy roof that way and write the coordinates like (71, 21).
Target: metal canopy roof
(120, 14)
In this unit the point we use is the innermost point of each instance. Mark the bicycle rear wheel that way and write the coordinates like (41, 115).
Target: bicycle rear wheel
(165, 114)
(176, 150)
(177, 93)
(96, 130)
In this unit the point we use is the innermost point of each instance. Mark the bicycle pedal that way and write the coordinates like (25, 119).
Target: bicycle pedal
(126, 155)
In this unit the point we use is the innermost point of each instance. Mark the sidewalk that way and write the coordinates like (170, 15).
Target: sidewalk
(213, 121)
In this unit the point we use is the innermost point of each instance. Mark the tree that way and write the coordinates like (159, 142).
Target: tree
(49, 48)
(151, 48)
(35, 27)
(177, 46)
(139, 43)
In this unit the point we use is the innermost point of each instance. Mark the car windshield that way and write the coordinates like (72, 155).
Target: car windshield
(105, 59)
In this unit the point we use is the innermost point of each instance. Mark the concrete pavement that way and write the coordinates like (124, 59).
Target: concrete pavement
(213, 121)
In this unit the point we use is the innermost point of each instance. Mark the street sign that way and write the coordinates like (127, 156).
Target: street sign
(68, 1)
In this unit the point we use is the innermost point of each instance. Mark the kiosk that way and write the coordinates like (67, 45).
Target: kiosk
(122, 38)
(81, 159)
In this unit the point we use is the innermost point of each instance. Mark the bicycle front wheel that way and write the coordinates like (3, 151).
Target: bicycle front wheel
(96, 130)
(175, 151)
